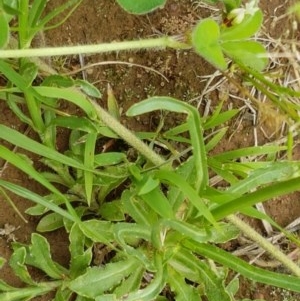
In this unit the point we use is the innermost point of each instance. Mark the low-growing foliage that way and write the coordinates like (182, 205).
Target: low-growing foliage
(163, 232)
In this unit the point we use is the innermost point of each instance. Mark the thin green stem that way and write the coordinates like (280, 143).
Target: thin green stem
(23, 23)
(42, 65)
(265, 244)
(161, 42)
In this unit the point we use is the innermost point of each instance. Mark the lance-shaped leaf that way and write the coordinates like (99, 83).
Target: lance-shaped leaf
(4, 32)
(17, 263)
(257, 274)
(98, 280)
(39, 251)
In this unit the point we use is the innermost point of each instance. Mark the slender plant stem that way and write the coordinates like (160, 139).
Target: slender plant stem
(23, 23)
(265, 244)
(128, 136)
(161, 42)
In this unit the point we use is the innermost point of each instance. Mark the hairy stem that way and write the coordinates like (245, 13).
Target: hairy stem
(128, 136)
(161, 42)
(265, 244)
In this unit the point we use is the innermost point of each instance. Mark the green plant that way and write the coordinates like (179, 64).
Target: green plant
(162, 232)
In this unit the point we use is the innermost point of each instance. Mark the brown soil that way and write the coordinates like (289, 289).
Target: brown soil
(104, 21)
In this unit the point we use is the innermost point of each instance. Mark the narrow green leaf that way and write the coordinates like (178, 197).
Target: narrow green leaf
(275, 172)
(27, 168)
(11, 6)
(226, 175)
(214, 141)
(257, 274)
(24, 142)
(187, 171)
(81, 257)
(219, 119)
(16, 78)
(56, 80)
(249, 151)
(28, 293)
(233, 287)
(206, 42)
(156, 200)
(182, 128)
(36, 10)
(40, 209)
(74, 123)
(190, 193)
(4, 32)
(70, 5)
(25, 193)
(97, 280)
(252, 198)
(14, 106)
(141, 6)
(70, 94)
(89, 153)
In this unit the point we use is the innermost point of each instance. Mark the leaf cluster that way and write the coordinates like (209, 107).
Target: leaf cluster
(163, 232)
